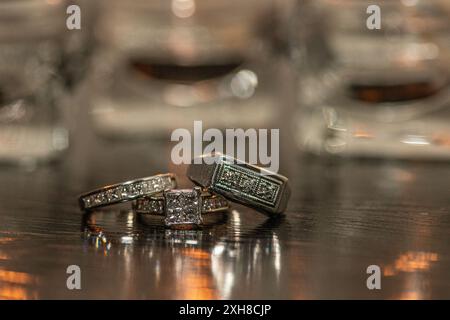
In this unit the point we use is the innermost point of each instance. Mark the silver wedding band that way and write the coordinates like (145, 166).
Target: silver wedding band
(127, 191)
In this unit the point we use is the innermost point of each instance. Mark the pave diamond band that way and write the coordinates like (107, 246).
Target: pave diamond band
(127, 191)
(241, 182)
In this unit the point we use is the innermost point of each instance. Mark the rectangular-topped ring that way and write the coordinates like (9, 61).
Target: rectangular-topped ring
(242, 182)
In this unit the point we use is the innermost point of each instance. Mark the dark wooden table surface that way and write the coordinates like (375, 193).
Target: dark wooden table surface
(343, 216)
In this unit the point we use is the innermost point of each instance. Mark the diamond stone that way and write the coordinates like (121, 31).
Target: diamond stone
(124, 191)
(112, 195)
(87, 202)
(157, 207)
(231, 177)
(247, 183)
(183, 207)
(117, 193)
(267, 190)
(133, 190)
(157, 183)
(99, 198)
(211, 204)
(144, 187)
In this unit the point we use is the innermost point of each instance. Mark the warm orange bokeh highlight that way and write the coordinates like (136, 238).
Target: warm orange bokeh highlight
(13, 285)
(196, 281)
(411, 262)
(362, 134)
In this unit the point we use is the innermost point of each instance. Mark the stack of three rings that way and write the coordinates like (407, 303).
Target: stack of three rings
(224, 178)
(219, 177)
(157, 197)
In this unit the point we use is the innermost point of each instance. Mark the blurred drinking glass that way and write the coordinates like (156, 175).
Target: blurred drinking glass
(374, 92)
(31, 127)
(163, 64)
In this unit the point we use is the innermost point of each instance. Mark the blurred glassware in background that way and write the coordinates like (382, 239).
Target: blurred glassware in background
(31, 128)
(374, 93)
(163, 64)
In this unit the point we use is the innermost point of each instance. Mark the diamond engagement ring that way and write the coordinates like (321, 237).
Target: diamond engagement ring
(182, 207)
(242, 182)
(127, 191)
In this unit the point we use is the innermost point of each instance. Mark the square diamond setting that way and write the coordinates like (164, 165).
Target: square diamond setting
(183, 207)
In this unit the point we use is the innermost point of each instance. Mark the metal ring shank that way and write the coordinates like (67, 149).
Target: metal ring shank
(241, 182)
(127, 191)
